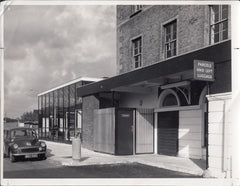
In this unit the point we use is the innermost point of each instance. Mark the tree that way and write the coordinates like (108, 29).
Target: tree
(29, 116)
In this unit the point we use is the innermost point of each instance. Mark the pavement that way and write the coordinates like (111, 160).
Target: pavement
(62, 153)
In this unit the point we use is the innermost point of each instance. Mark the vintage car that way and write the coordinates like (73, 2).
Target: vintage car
(23, 142)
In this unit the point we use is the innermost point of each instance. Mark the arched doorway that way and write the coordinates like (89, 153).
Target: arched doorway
(168, 123)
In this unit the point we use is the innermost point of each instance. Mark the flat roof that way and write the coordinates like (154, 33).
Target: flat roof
(217, 53)
(71, 82)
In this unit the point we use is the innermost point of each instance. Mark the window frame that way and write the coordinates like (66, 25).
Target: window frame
(133, 55)
(220, 22)
(172, 40)
(136, 9)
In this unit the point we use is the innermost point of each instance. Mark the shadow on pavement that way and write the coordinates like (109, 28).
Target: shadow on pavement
(81, 159)
(200, 163)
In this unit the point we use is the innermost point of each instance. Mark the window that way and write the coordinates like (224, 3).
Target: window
(170, 45)
(137, 8)
(219, 23)
(170, 100)
(137, 52)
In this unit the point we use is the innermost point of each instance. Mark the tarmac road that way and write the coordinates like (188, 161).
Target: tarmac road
(46, 169)
(53, 168)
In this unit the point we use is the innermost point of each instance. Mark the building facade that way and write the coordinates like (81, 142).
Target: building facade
(191, 116)
(60, 111)
(172, 90)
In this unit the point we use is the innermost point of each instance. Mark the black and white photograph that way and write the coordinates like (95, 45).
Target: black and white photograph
(119, 93)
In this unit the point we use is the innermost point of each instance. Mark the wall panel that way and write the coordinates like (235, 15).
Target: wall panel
(104, 130)
(190, 133)
(144, 130)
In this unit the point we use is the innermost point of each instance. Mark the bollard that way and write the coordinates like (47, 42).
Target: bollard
(76, 148)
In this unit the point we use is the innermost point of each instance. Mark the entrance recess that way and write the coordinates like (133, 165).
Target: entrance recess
(168, 123)
(124, 134)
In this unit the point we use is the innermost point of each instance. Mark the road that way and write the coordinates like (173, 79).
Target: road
(52, 169)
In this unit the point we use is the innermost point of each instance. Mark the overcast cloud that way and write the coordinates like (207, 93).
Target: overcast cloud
(49, 45)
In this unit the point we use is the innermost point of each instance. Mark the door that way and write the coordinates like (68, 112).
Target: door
(144, 130)
(124, 132)
(168, 123)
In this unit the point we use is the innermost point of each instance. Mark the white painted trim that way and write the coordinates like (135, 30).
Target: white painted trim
(221, 96)
(71, 82)
(166, 109)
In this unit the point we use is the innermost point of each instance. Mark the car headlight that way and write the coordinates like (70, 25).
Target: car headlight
(40, 148)
(43, 144)
(15, 146)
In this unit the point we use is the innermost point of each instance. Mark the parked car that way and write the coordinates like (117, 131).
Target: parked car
(23, 142)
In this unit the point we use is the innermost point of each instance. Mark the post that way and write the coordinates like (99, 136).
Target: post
(155, 132)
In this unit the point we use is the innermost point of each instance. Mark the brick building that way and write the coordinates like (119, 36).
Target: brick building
(148, 35)
(172, 90)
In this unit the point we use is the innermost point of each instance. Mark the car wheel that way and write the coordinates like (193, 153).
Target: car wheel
(43, 157)
(11, 156)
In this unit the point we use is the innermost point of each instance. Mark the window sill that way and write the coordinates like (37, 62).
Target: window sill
(135, 13)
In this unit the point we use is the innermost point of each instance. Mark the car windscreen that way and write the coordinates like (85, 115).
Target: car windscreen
(23, 133)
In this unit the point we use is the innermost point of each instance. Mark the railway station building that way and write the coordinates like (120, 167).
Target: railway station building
(172, 91)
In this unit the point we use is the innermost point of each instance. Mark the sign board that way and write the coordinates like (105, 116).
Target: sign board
(203, 70)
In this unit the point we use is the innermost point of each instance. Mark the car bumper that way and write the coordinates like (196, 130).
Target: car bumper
(29, 154)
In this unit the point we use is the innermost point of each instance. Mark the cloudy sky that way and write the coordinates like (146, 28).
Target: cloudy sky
(46, 46)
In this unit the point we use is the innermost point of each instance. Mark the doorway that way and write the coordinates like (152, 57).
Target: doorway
(124, 131)
(168, 124)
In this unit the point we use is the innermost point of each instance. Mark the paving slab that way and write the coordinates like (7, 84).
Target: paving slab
(62, 153)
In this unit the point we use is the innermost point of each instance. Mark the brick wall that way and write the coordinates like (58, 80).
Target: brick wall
(89, 104)
(192, 31)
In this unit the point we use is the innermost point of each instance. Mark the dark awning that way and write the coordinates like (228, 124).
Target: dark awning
(217, 53)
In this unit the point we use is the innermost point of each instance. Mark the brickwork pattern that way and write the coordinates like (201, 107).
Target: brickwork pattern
(89, 104)
(192, 31)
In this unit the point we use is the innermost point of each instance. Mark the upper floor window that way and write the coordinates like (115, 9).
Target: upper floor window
(137, 8)
(170, 44)
(218, 23)
(137, 52)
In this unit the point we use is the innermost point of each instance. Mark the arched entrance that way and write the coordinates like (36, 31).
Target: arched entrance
(180, 127)
(168, 123)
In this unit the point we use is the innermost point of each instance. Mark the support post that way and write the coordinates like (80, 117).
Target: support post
(155, 132)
